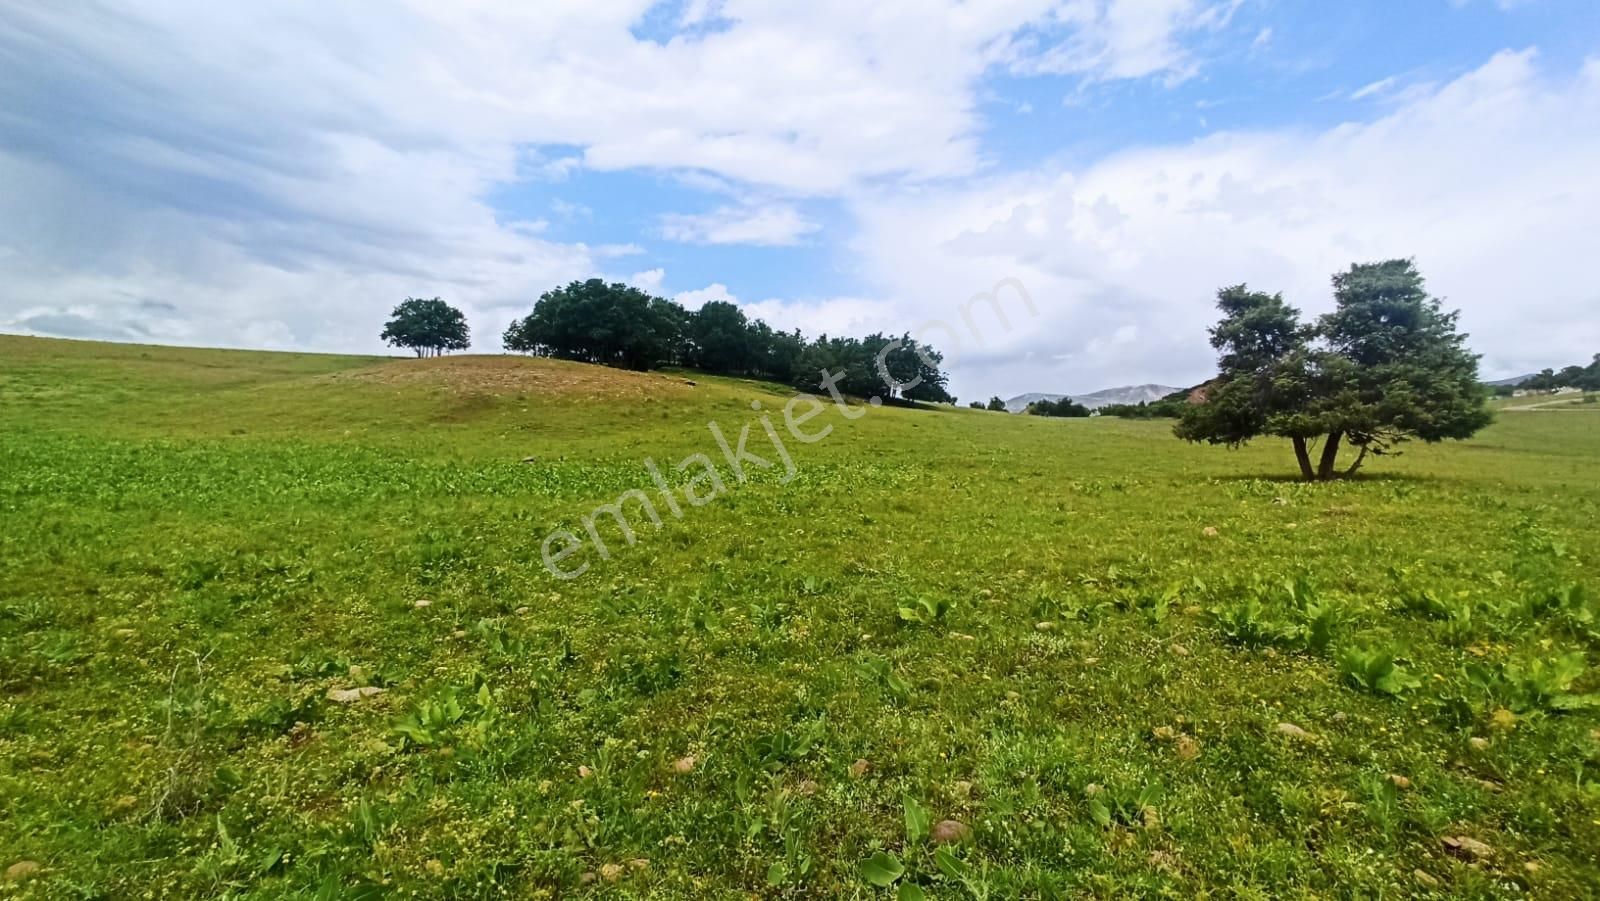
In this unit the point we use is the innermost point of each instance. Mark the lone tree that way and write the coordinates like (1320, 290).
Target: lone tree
(1386, 366)
(428, 327)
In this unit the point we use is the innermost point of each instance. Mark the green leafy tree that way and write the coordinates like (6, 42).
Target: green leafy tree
(618, 325)
(427, 327)
(721, 338)
(1066, 407)
(595, 322)
(996, 404)
(1385, 367)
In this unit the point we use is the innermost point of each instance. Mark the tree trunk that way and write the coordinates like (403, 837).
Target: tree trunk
(1357, 465)
(1330, 456)
(1304, 456)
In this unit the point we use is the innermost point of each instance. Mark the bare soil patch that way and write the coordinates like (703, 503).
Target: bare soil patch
(507, 375)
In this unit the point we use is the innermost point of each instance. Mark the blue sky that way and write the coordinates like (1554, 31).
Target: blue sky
(280, 176)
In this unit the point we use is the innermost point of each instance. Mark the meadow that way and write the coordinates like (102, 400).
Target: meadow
(277, 625)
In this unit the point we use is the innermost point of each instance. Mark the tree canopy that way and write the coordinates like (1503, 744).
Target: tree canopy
(1066, 407)
(1586, 378)
(619, 325)
(428, 327)
(1385, 367)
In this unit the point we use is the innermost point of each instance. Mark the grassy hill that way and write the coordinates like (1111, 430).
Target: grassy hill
(1119, 664)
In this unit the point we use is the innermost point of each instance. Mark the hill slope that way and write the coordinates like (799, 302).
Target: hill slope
(287, 625)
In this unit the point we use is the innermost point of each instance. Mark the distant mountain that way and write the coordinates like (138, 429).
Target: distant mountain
(1514, 381)
(1130, 394)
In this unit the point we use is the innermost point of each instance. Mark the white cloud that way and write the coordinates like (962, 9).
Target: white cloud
(284, 173)
(1117, 39)
(1486, 181)
(291, 169)
(767, 225)
(1381, 86)
(694, 300)
(649, 280)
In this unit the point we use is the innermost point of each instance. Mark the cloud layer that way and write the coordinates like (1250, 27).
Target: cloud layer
(279, 175)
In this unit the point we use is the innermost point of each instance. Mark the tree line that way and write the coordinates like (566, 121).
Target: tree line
(620, 325)
(613, 324)
(1584, 378)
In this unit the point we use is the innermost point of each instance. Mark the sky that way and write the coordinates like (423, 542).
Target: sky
(280, 175)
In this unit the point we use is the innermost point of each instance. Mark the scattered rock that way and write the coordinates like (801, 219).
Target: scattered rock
(1532, 867)
(1090, 661)
(1339, 716)
(422, 603)
(1467, 848)
(690, 382)
(22, 869)
(1486, 785)
(1179, 650)
(1280, 502)
(1295, 732)
(588, 877)
(1092, 789)
(948, 831)
(352, 695)
(683, 766)
(1013, 695)
(1503, 720)
(1210, 532)
(1164, 733)
(807, 787)
(1399, 781)
(584, 772)
(1425, 878)
(530, 459)
(962, 789)
(1045, 626)
(1187, 748)
(1478, 743)
(639, 863)
(524, 611)
(611, 872)
(859, 768)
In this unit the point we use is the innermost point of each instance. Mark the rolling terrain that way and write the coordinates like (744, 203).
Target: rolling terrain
(281, 625)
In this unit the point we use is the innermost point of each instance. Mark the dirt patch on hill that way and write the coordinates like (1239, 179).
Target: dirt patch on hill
(516, 376)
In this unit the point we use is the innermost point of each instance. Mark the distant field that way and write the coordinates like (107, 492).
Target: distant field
(1117, 664)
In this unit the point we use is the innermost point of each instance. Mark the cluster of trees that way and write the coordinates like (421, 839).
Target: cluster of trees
(427, 327)
(1169, 407)
(619, 325)
(1065, 407)
(995, 404)
(1386, 366)
(1586, 378)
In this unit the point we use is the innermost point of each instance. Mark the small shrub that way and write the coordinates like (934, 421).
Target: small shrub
(1375, 671)
(925, 612)
(1541, 685)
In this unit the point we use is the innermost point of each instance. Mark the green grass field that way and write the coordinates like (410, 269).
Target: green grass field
(1116, 664)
